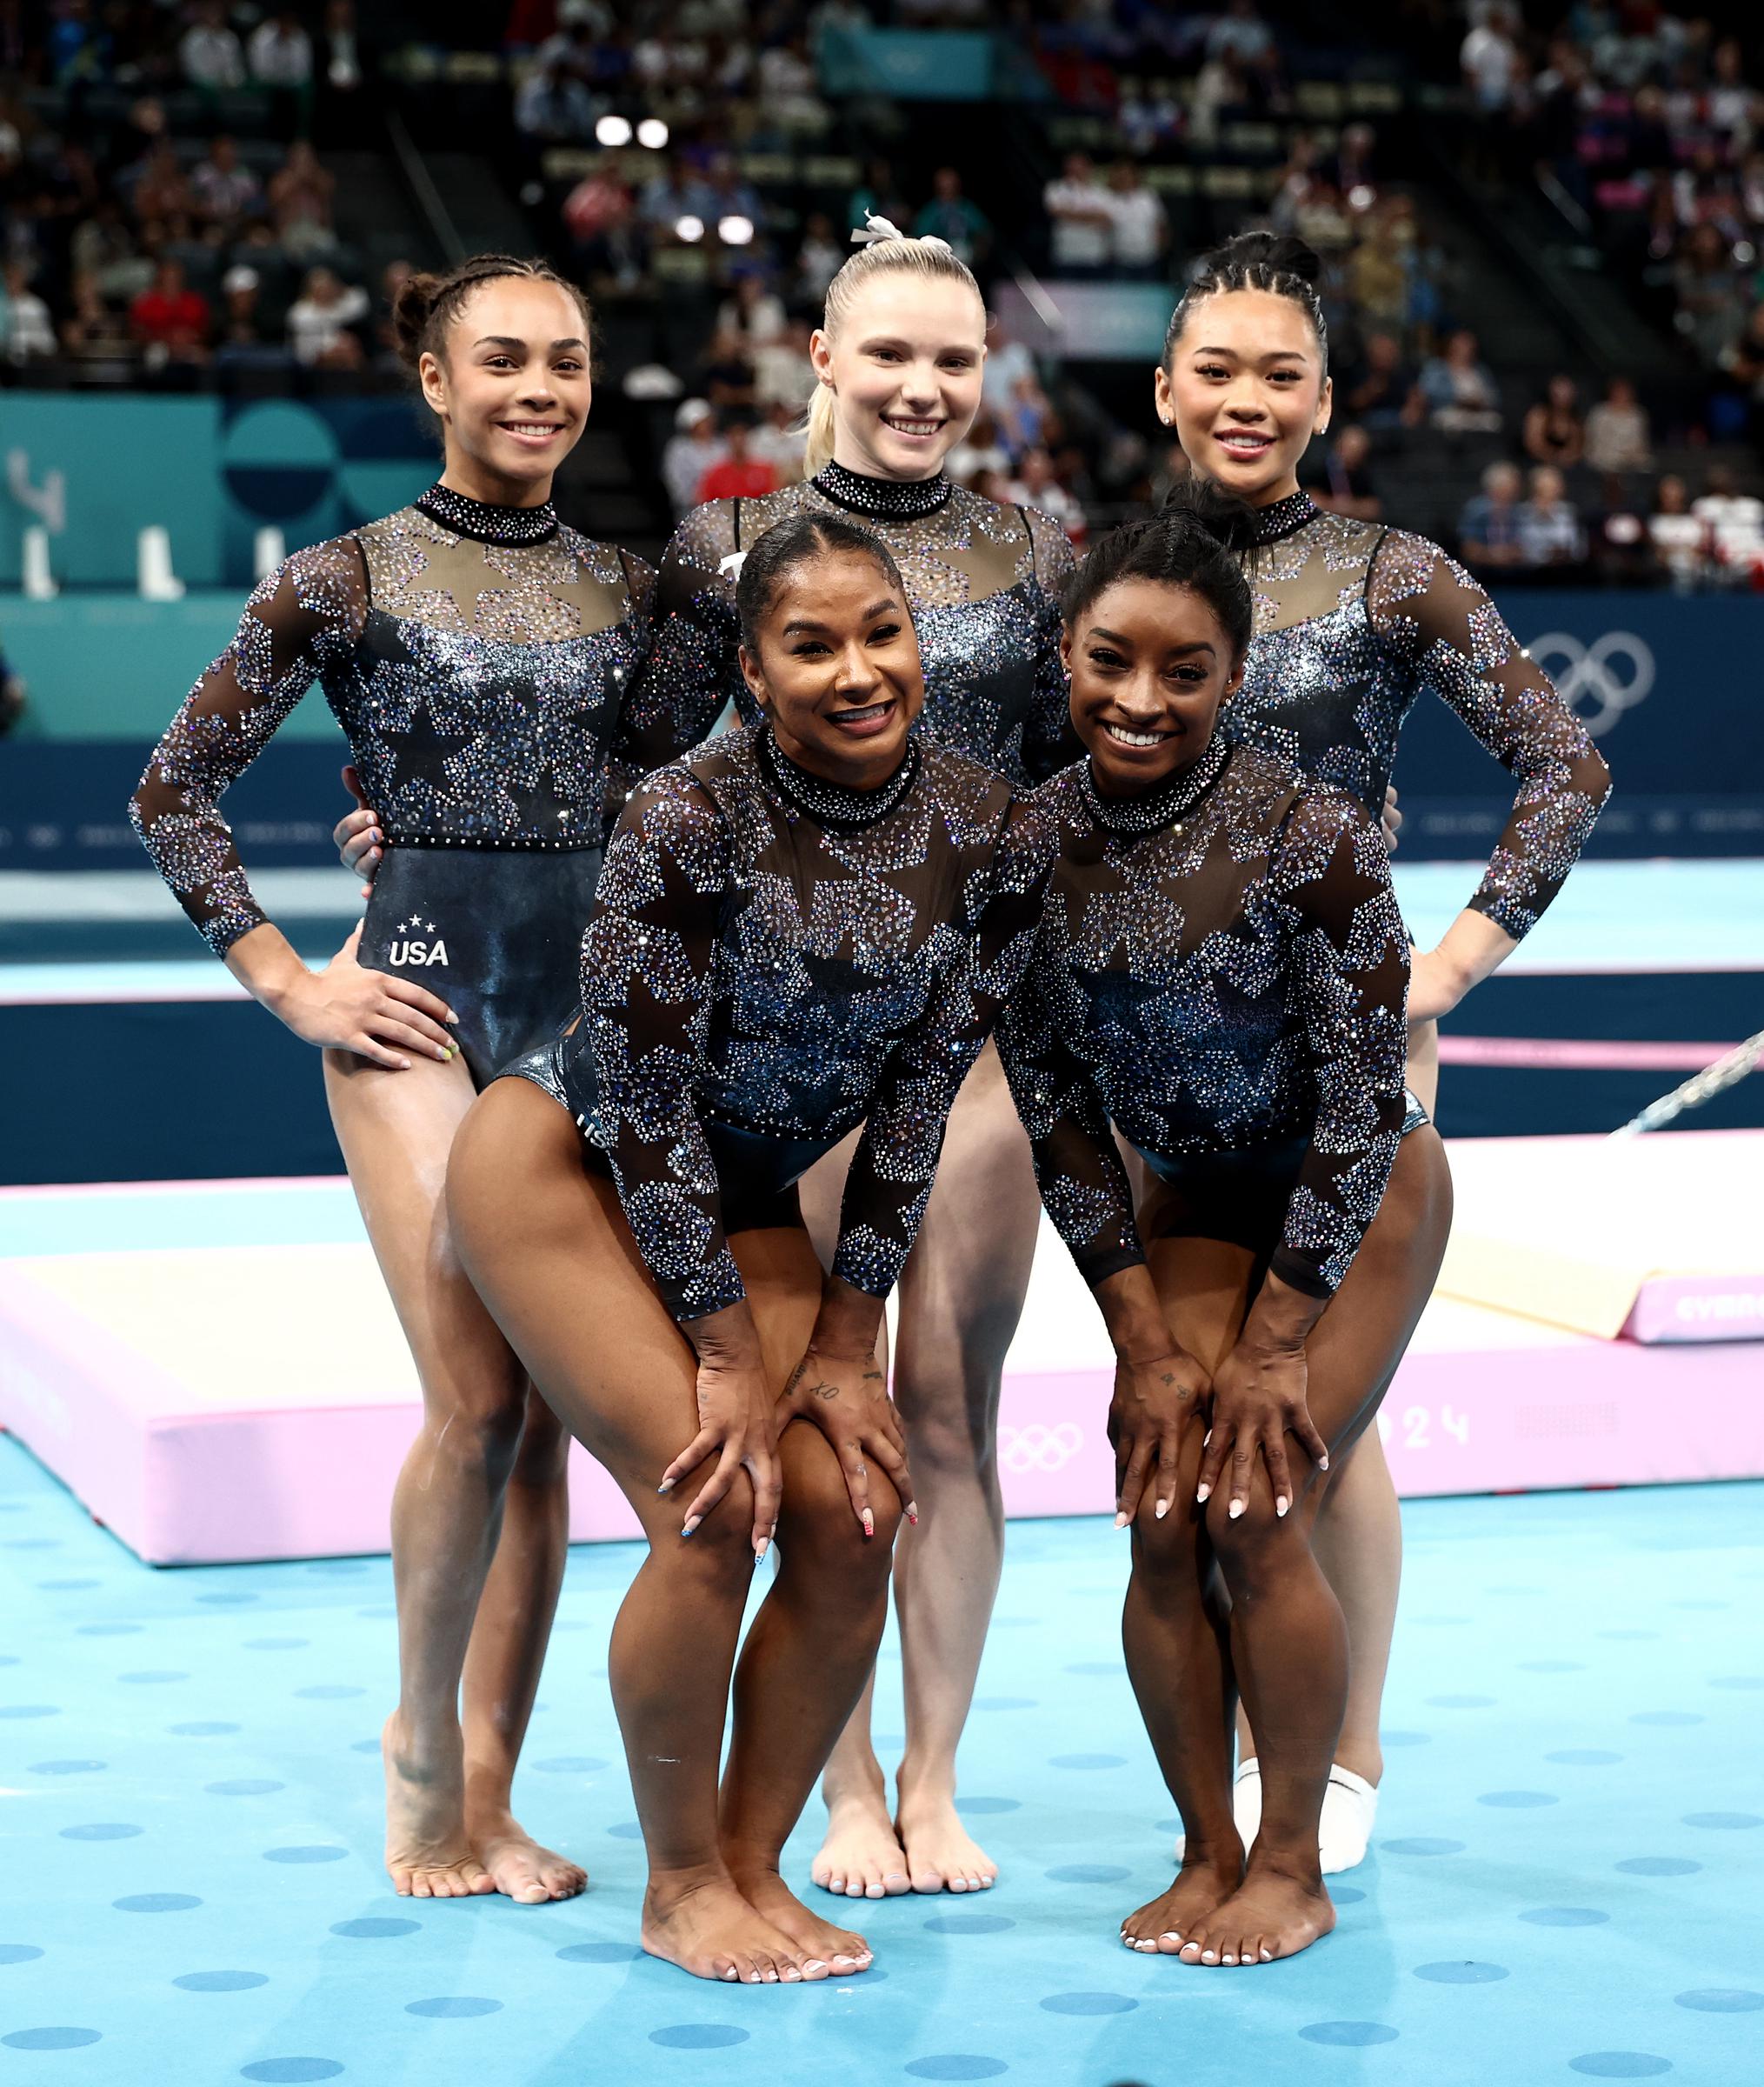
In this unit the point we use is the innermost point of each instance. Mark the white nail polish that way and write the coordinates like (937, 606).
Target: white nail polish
(1281, 1505)
(1233, 1511)
(1163, 1508)
(1202, 1494)
(1120, 1519)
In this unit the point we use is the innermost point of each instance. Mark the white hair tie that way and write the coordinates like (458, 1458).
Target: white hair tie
(875, 230)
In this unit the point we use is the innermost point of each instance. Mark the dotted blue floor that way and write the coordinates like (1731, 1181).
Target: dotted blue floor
(1564, 1882)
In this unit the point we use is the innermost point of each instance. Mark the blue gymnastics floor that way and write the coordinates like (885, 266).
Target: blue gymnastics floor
(1565, 1883)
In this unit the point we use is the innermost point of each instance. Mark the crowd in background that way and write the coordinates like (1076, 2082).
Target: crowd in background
(135, 248)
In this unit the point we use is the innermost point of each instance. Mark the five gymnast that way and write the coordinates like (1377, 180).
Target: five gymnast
(477, 653)
(807, 925)
(1353, 623)
(1220, 974)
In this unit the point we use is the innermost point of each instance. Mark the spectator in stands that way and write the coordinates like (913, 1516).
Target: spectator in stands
(1382, 394)
(672, 198)
(1551, 533)
(1488, 527)
(739, 476)
(783, 375)
(1344, 484)
(1618, 438)
(553, 106)
(211, 54)
(980, 449)
(243, 337)
(599, 216)
(1139, 226)
(728, 373)
(1735, 525)
(689, 452)
(819, 258)
(779, 438)
(753, 309)
(342, 53)
(94, 338)
(1023, 417)
(1623, 551)
(950, 215)
(1712, 300)
(1553, 432)
(300, 201)
(27, 332)
(1083, 219)
(159, 188)
(322, 320)
(1241, 33)
(1035, 485)
(170, 320)
(1492, 63)
(280, 52)
(224, 190)
(1460, 389)
(1679, 539)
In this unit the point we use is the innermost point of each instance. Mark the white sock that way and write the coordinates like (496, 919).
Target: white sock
(1350, 1805)
(1246, 1805)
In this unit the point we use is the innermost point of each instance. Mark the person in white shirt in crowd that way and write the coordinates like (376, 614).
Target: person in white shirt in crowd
(1735, 524)
(209, 54)
(783, 376)
(223, 188)
(1491, 61)
(1617, 430)
(1035, 485)
(1240, 33)
(281, 51)
(777, 437)
(753, 310)
(819, 259)
(27, 332)
(1008, 363)
(320, 320)
(1550, 529)
(980, 449)
(1680, 539)
(1139, 227)
(1083, 218)
(690, 450)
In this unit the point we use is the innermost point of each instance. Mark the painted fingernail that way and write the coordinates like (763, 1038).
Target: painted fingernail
(1202, 1492)
(453, 1017)
(692, 1522)
(1206, 1438)
(1120, 1518)
(1324, 1464)
(1162, 1509)
(1233, 1511)
(1281, 1505)
(666, 1486)
(912, 1511)
(760, 1549)
(869, 1521)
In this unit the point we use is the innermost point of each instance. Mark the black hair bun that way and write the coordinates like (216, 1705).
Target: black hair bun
(1202, 504)
(1284, 253)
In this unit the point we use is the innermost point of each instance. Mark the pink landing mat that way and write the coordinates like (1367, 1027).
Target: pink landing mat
(213, 1403)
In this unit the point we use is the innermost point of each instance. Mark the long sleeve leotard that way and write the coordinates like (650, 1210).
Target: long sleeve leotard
(772, 960)
(1224, 977)
(982, 581)
(1353, 621)
(476, 658)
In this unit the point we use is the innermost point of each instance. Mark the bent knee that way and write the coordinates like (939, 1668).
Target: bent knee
(1258, 1534)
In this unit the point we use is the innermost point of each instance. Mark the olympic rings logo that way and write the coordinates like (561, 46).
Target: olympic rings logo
(1038, 1449)
(1584, 677)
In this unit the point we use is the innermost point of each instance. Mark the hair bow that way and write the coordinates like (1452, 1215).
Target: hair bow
(875, 230)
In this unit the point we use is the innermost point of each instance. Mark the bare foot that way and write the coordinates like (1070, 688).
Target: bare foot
(1272, 1914)
(710, 1929)
(1201, 1888)
(942, 1856)
(519, 1867)
(842, 1949)
(860, 1858)
(427, 1853)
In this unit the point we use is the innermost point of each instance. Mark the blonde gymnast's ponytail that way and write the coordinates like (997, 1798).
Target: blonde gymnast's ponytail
(882, 248)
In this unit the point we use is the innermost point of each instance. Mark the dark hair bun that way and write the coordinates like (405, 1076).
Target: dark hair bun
(1281, 253)
(1202, 504)
(412, 308)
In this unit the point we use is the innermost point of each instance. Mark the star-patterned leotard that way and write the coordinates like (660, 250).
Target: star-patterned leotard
(479, 660)
(771, 961)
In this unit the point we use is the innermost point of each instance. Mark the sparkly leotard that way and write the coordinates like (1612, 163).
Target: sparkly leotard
(1353, 621)
(772, 960)
(479, 659)
(1221, 970)
(982, 583)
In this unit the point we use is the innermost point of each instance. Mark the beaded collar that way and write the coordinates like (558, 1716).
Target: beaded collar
(477, 518)
(1283, 517)
(888, 499)
(832, 803)
(1160, 807)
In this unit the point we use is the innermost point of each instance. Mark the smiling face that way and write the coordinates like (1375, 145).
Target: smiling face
(1150, 664)
(1244, 387)
(837, 669)
(512, 390)
(904, 369)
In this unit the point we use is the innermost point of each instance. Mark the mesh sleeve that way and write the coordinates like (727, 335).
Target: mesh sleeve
(1427, 606)
(301, 617)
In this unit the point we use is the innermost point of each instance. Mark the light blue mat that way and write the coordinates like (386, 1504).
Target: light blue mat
(1564, 1882)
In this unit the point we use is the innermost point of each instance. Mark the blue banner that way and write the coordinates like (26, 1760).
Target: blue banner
(1668, 686)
